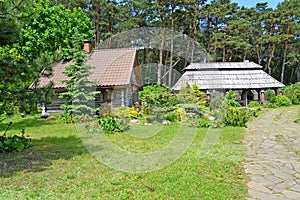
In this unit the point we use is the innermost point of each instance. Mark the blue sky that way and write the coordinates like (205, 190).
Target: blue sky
(252, 3)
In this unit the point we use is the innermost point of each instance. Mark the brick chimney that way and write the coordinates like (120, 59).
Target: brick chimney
(87, 46)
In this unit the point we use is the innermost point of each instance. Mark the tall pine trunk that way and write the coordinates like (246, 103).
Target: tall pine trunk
(161, 50)
(172, 47)
(270, 58)
(286, 43)
(283, 60)
(258, 54)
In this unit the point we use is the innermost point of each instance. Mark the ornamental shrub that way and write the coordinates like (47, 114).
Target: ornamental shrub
(156, 96)
(14, 143)
(133, 113)
(112, 125)
(270, 96)
(171, 116)
(181, 115)
(204, 123)
(253, 104)
(191, 94)
(282, 101)
(230, 99)
(121, 112)
(293, 93)
(237, 116)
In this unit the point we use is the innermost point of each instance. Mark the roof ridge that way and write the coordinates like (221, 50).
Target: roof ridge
(115, 49)
(222, 62)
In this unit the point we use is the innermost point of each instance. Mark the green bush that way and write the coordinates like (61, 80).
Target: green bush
(254, 104)
(181, 115)
(157, 114)
(191, 109)
(293, 93)
(218, 110)
(121, 112)
(14, 143)
(8, 108)
(105, 110)
(230, 99)
(134, 113)
(270, 105)
(282, 101)
(111, 125)
(191, 94)
(171, 116)
(66, 117)
(236, 116)
(270, 96)
(254, 113)
(204, 123)
(156, 96)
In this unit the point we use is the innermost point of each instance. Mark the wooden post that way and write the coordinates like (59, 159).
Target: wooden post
(262, 96)
(246, 98)
(208, 98)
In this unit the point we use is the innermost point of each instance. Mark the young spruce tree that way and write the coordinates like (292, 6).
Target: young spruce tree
(80, 94)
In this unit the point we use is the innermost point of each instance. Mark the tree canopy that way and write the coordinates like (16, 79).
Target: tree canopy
(33, 37)
(228, 31)
(34, 33)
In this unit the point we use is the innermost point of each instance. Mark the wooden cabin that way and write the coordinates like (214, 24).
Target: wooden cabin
(246, 78)
(116, 72)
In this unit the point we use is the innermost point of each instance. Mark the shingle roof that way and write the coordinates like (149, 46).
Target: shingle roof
(112, 67)
(222, 66)
(221, 76)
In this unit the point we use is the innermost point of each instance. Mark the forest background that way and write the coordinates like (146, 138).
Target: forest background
(34, 35)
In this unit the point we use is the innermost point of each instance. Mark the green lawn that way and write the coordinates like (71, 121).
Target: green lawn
(58, 166)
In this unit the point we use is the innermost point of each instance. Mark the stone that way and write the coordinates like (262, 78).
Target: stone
(134, 121)
(283, 186)
(295, 188)
(258, 187)
(271, 162)
(279, 173)
(211, 118)
(261, 180)
(166, 122)
(273, 179)
(51, 118)
(296, 167)
(292, 194)
(287, 170)
(265, 196)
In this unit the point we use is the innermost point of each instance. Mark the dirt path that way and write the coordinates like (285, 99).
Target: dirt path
(273, 155)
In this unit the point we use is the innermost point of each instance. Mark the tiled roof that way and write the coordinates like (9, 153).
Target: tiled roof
(234, 78)
(56, 78)
(112, 67)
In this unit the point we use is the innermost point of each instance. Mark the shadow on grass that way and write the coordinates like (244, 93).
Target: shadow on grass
(41, 155)
(23, 124)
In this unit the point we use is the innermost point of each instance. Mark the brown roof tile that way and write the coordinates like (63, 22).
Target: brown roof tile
(112, 67)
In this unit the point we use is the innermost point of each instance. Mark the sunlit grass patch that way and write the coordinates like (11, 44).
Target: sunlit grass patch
(58, 166)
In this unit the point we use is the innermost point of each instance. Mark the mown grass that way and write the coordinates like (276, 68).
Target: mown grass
(58, 166)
